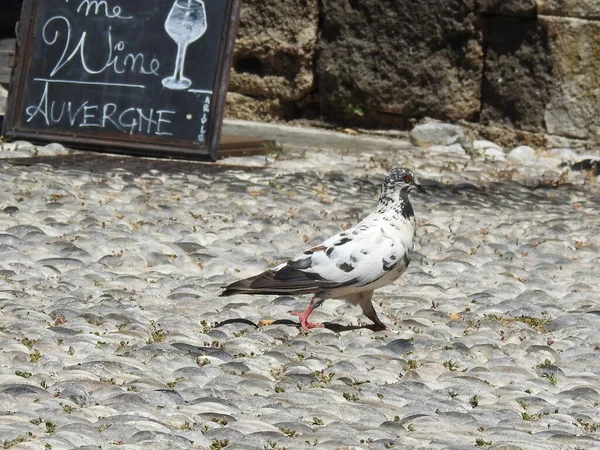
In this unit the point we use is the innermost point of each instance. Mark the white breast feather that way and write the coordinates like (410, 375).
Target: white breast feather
(372, 242)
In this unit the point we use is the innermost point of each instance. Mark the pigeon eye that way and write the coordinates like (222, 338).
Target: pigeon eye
(407, 179)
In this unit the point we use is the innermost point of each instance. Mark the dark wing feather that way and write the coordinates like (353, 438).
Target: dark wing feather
(287, 280)
(355, 257)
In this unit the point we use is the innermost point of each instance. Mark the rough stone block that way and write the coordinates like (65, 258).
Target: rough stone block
(518, 73)
(435, 133)
(508, 7)
(400, 57)
(573, 108)
(275, 49)
(523, 154)
(239, 106)
(585, 9)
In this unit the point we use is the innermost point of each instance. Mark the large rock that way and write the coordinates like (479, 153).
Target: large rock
(544, 75)
(435, 133)
(275, 49)
(401, 57)
(573, 108)
(522, 154)
(385, 63)
(508, 7)
(518, 73)
(588, 9)
(242, 107)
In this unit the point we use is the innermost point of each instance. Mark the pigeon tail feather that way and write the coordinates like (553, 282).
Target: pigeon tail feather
(271, 282)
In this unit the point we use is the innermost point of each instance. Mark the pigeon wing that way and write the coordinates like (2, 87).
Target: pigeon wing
(355, 257)
(281, 280)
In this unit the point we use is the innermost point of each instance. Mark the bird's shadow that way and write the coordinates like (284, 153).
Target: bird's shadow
(335, 327)
(230, 321)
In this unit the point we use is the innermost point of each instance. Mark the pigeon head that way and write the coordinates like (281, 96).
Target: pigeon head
(396, 185)
(401, 179)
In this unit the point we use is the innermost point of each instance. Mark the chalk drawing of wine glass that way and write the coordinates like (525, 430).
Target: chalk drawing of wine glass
(185, 24)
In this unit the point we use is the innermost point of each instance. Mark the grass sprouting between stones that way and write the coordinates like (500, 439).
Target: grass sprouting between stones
(535, 323)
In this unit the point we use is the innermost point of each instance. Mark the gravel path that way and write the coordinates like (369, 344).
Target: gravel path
(113, 335)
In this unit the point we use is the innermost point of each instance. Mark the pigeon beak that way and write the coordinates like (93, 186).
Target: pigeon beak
(419, 187)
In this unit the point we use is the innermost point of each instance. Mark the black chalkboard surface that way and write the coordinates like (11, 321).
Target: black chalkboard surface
(146, 77)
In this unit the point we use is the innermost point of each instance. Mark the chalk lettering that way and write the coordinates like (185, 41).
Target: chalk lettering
(56, 119)
(161, 120)
(73, 116)
(85, 114)
(108, 116)
(204, 119)
(132, 121)
(100, 7)
(41, 108)
(89, 113)
(116, 59)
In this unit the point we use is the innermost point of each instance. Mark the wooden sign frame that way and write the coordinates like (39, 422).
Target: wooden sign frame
(93, 127)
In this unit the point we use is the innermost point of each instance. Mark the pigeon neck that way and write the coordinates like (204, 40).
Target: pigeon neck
(396, 202)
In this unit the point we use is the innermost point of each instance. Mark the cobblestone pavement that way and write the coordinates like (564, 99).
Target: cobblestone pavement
(113, 336)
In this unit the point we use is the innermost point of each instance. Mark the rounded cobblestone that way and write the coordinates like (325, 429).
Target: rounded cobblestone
(113, 334)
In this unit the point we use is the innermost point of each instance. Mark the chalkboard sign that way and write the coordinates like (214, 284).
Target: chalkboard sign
(144, 77)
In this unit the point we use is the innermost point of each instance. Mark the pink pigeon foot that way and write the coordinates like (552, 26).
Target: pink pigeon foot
(303, 319)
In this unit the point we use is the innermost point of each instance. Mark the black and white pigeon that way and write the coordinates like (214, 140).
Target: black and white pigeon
(353, 263)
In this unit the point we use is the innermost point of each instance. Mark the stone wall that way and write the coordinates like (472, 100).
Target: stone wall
(531, 65)
(273, 65)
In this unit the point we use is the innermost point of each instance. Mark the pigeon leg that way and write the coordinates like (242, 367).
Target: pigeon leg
(369, 311)
(379, 325)
(303, 316)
